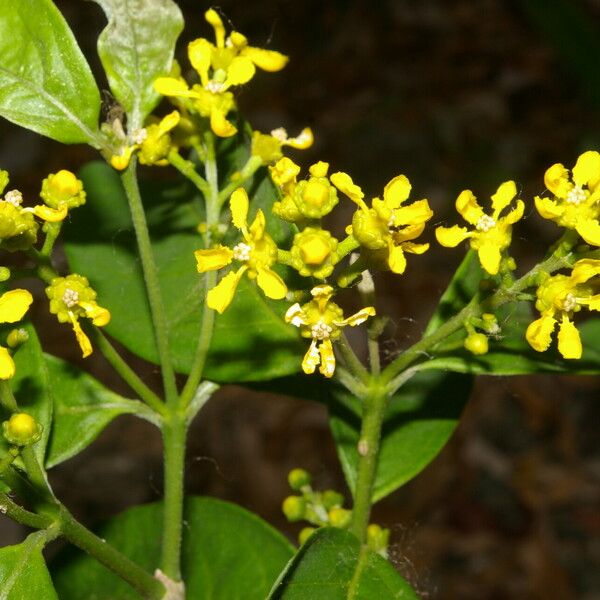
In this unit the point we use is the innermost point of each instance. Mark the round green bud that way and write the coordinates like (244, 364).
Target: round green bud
(315, 197)
(298, 478)
(4, 273)
(62, 188)
(305, 534)
(339, 517)
(21, 430)
(287, 210)
(18, 229)
(378, 538)
(476, 343)
(266, 147)
(332, 498)
(16, 337)
(294, 508)
(313, 252)
(370, 231)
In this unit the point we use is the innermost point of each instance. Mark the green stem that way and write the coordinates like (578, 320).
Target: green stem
(110, 557)
(35, 473)
(252, 165)
(128, 375)
(374, 405)
(353, 364)
(20, 515)
(174, 438)
(188, 170)
(157, 310)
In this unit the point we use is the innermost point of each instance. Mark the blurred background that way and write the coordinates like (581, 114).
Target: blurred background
(454, 94)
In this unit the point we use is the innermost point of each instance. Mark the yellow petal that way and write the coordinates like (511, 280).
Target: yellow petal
(51, 215)
(199, 53)
(82, 338)
(240, 71)
(415, 248)
(502, 198)
(100, 316)
(295, 315)
(417, 212)
(515, 214)
(120, 161)
(587, 169)
(213, 258)
(357, 318)
(301, 142)
(396, 259)
(569, 342)
(548, 208)
(468, 207)
(396, 191)
(213, 18)
(319, 169)
(238, 39)
(585, 269)
(327, 367)
(239, 203)
(14, 305)
(7, 365)
(594, 302)
(539, 333)
(489, 257)
(220, 297)
(271, 284)
(169, 122)
(220, 125)
(557, 181)
(267, 60)
(589, 230)
(169, 86)
(452, 236)
(344, 183)
(257, 229)
(311, 358)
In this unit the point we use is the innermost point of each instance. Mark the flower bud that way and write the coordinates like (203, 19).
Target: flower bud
(378, 538)
(298, 478)
(339, 517)
(476, 343)
(294, 508)
(305, 534)
(332, 498)
(4, 273)
(21, 430)
(62, 188)
(16, 337)
(313, 252)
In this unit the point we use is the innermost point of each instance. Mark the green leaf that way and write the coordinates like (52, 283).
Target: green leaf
(31, 388)
(101, 245)
(419, 420)
(135, 48)
(509, 353)
(45, 82)
(23, 572)
(228, 554)
(83, 407)
(331, 566)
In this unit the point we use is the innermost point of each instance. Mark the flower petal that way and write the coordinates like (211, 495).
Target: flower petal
(585, 269)
(271, 284)
(257, 229)
(327, 367)
(100, 316)
(213, 258)
(169, 122)
(415, 248)
(241, 70)
(515, 214)
(489, 257)
(396, 258)
(417, 212)
(302, 141)
(587, 169)
(213, 18)
(504, 195)
(239, 203)
(396, 191)
(468, 207)
(589, 230)
(452, 236)
(14, 305)
(169, 86)
(52, 215)
(569, 342)
(82, 339)
(295, 315)
(539, 333)
(220, 297)
(7, 364)
(220, 125)
(311, 358)
(548, 208)
(557, 181)
(199, 53)
(357, 318)
(344, 183)
(267, 60)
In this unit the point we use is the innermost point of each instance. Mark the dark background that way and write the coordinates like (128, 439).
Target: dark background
(453, 94)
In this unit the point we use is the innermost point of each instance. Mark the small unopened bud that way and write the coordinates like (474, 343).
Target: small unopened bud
(378, 538)
(476, 343)
(4, 273)
(332, 498)
(339, 517)
(305, 534)
(21, 430)
(17, 337)
(294, 508)
(298, 478)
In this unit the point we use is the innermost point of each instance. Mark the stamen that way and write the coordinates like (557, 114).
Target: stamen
(321, 331)
(139, 135)
(280, 134)
(570, 302)
(485, 223)
(14, 197)
(576, 196)
(215, 87)
(242, 252)
(70, 298)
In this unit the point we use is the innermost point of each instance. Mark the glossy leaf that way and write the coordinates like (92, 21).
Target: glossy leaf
(330, 567)
(101, 245)
(23, 572)
(419, 420)
(509, 353)
(83, 407)
(31, 388)
(45, 82)
(135, 48)
(228, 554)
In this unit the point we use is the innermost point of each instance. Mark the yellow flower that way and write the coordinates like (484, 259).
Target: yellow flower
(268, 147)
(13, 306)
(492, 233)
(387, 227)
(576, 202)
(322, 321)
(71, 297)
(229, 62)
(558, 298)
(257, 253)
